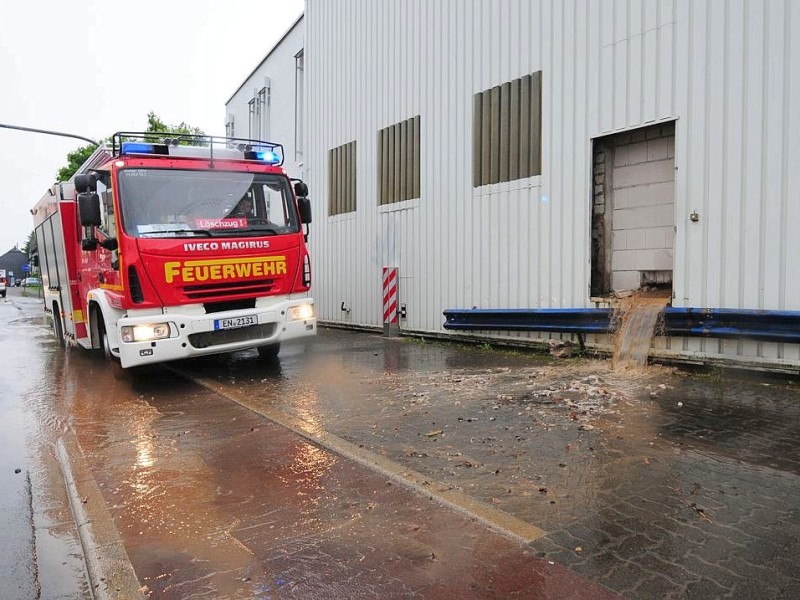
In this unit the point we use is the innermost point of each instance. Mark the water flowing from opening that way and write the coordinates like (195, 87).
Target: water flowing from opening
(639, 315)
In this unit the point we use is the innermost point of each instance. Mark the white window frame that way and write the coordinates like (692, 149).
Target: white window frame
(299, 104)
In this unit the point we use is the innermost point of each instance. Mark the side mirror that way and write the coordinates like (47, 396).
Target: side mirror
(304, 205)
(86, 183)
(110, 244)
(300, 189)
(89, 209)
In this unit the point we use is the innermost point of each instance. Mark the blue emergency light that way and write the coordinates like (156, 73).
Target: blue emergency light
(136, 148)
(268, 156)
(143, 148)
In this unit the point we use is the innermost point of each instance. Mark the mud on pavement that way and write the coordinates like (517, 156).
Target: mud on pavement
(660, 484)
(214, 500)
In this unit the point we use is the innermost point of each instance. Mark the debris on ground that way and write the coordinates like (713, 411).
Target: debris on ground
(560, 348)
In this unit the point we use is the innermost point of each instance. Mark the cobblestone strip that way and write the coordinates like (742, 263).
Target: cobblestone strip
(691, 540)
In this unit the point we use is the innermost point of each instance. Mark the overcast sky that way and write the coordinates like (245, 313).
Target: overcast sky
(92, 68)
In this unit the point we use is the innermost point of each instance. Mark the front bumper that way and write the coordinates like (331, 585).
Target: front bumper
(196, 335)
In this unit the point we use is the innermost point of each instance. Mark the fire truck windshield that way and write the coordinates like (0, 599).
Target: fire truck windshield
(172, 203)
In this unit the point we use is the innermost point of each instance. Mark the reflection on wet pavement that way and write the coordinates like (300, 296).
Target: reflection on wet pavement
(214, 500)
(42, 555)
(656, 484)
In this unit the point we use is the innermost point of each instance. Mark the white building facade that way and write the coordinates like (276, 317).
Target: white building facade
(544, 154)
(269, 104)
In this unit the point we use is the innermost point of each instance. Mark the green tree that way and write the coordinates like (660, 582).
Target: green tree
(154, 125)
(74, 160)
(30, 242)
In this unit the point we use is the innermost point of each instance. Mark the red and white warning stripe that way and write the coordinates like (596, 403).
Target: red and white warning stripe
(389, 295)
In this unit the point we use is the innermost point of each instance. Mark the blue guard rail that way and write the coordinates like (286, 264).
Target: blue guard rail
(759, 325)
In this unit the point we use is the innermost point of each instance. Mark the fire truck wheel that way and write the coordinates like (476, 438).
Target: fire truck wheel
(106, 344)
(117, 370)
(269, 352)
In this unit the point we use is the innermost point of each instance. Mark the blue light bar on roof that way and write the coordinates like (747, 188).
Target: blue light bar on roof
(137, 148)
(268, 156)
(143, 148)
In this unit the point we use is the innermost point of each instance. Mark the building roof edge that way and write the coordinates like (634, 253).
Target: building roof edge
(263, 60)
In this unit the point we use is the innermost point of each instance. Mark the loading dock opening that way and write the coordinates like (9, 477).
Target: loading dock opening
(633, 210)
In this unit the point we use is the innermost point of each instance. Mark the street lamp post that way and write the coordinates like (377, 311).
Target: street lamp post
(49, 132)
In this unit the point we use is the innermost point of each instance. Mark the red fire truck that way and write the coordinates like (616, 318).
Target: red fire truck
(162, 249)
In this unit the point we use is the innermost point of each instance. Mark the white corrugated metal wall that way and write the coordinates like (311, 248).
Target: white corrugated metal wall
(277, 71)
(727, 72)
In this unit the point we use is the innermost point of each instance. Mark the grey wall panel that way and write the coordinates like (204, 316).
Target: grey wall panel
(727, 73)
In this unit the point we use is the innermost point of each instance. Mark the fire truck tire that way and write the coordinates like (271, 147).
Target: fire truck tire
(117, 370)
(269, 352)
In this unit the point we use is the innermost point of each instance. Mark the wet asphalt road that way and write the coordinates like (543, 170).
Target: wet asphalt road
(42, 555)
(360, 466)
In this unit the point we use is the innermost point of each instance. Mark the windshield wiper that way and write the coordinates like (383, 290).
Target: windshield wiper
(178, 233)
(262, 229)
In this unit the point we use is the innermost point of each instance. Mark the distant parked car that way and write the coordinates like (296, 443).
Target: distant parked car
(31, 281)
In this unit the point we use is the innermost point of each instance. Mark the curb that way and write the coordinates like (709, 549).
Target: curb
(109, 568)
(499, 521)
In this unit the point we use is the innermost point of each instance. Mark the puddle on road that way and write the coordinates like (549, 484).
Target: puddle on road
(520, 431)
(34, 411)
(461, 415)
(546, 441)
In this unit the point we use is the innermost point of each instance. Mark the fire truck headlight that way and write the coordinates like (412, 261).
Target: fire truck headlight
(145, 332)
(302, 312)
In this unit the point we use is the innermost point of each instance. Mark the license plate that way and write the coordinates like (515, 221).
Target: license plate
(234, 322)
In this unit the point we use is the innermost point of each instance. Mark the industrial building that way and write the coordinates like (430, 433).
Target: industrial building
(524, 154)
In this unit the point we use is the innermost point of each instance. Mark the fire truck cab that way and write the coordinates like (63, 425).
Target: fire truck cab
(162, 249)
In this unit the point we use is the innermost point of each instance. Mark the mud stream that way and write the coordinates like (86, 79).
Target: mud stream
(638, 315)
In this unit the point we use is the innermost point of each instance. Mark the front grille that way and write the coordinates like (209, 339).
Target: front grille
(207, 339)
(215, 307)
(260, 287)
